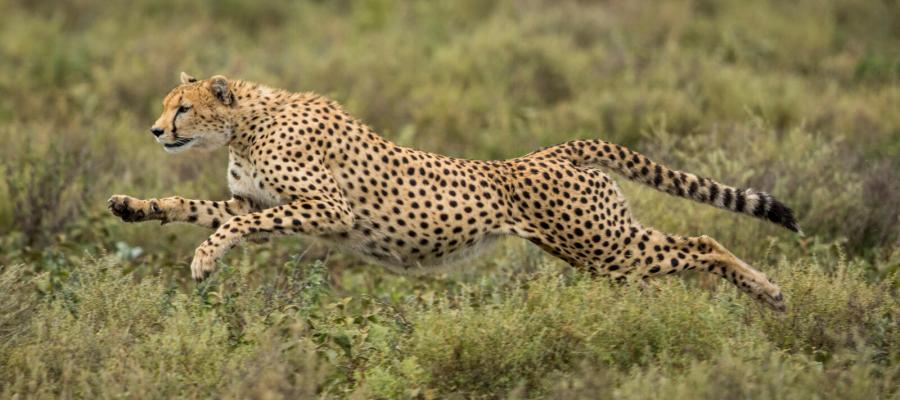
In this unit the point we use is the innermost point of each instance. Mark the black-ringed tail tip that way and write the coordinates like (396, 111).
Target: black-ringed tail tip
(639, 168)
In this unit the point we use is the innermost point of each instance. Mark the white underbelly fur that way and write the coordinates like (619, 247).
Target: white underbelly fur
(246, 186)
(402, 262)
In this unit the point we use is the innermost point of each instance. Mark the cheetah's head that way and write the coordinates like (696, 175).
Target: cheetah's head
(196, 114)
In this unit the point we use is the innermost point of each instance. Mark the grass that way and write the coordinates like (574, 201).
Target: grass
(798, 99)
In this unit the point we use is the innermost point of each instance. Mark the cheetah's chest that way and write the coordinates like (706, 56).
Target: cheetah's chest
(246, 182)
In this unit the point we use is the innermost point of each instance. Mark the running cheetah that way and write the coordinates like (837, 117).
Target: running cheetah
(300, 164)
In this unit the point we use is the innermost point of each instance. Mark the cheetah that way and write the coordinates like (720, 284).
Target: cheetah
(300, 164)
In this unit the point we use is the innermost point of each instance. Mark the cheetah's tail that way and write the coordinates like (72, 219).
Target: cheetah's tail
(637, 167)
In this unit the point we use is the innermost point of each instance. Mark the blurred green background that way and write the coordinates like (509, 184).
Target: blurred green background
(801, 99)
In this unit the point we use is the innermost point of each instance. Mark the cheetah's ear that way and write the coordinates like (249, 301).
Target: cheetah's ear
(219, 86)
(185, 78)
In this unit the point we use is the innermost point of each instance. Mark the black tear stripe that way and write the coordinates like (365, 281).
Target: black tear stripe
(177, 111)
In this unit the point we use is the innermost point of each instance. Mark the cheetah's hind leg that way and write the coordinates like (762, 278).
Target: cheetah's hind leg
(651, 253)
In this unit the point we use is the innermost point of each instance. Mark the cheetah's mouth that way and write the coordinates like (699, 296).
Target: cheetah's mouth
(178, 144)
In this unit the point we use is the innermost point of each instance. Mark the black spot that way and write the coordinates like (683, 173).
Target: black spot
(692, 189)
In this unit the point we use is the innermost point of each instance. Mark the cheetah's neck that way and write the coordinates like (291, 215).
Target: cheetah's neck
(255, 108)
(259, 107)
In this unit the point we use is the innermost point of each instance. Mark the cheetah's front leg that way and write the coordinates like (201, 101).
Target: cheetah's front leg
(315, 215)
(206, 213)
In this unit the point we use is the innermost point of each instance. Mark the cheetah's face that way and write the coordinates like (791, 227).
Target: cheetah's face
(195, 115)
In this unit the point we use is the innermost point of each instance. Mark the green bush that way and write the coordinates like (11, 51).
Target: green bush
(103, 334)
(833, 308)
(768, 375)
(546, 327)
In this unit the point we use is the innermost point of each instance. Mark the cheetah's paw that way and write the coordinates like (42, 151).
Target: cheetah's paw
(130, 209)
(203, 265)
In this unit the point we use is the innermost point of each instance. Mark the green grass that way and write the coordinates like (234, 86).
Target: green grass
(799, 99)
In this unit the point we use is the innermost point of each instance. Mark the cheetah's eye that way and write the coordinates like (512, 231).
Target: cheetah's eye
(182, 109)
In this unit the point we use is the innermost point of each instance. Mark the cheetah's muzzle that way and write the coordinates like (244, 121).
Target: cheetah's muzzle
(178, 143)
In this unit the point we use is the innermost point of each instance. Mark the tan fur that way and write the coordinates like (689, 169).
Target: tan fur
(299, 164)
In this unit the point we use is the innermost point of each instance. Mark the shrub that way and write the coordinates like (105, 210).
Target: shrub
(17, 303)
(45, 189)
(832, 308)
(102, 334)
(549, 325)
(766, 375)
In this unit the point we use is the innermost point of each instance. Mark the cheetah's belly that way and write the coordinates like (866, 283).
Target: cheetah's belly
(382, 248)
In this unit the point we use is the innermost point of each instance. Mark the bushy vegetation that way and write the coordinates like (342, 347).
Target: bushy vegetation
(801, 99)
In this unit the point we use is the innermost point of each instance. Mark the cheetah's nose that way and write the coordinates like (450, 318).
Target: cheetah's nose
(156, 131)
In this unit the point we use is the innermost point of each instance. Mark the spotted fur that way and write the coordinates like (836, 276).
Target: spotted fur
(300, 164)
